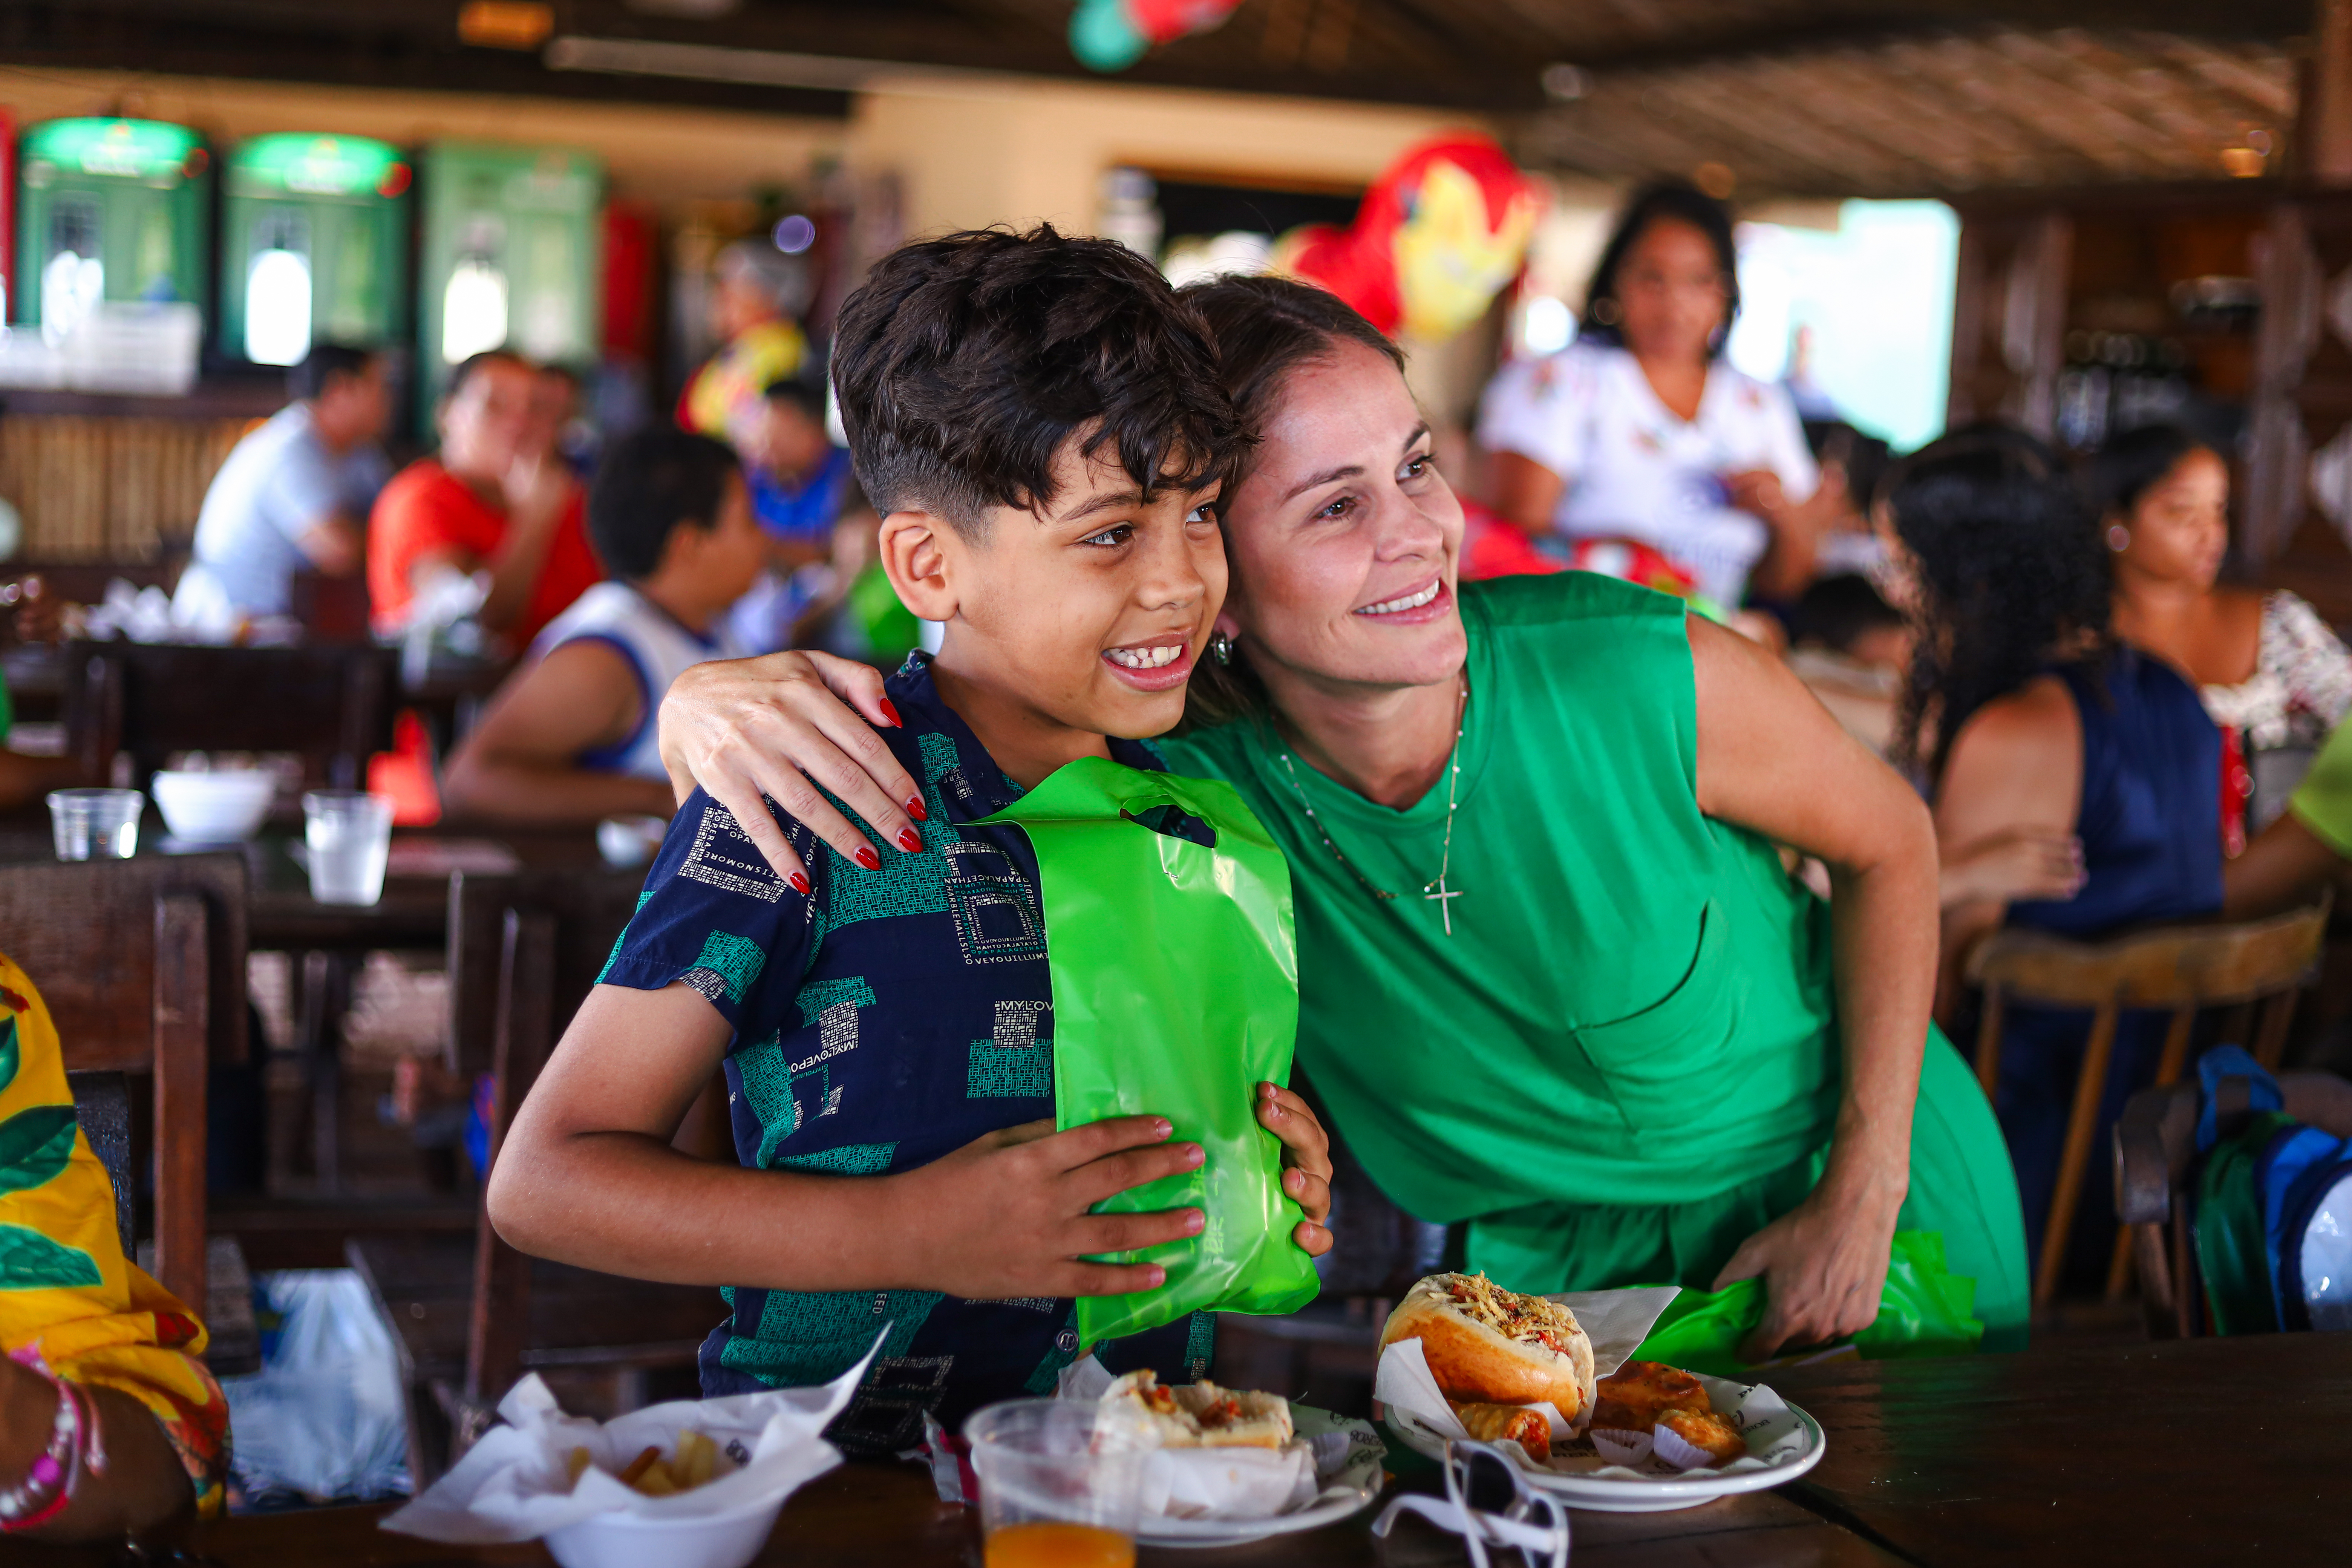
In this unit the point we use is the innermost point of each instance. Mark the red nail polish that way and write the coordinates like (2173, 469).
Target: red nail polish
(800, 883)
(917, 809)
(867, 858)
(891, 713)
(910, 841)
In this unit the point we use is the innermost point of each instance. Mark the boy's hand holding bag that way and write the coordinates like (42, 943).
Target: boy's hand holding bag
(1175, 974)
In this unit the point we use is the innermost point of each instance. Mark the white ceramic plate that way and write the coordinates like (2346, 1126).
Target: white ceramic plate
(1802, 1450)
(1346, 1489)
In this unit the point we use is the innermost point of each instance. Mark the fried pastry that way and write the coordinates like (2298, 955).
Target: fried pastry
(1706, 1430)
(1632, 1398)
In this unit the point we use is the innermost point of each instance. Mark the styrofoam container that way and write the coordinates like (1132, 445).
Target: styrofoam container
(727, 1540)
(215, 807)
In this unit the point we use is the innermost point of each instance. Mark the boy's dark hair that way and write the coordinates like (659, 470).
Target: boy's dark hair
(1664, 199)
(322, 364)
(1264, 328)
(647, 484)
(963, 363)
(806, 396)
(2011, 577)
(2133, 463)
(1837, 612)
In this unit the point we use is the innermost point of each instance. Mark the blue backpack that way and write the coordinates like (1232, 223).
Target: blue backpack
(2272, 1215)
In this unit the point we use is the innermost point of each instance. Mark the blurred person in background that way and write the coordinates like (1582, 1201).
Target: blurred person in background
(802, 491)
(110, 1424)
(555, 424)
(2271, 674)
(496, 504)
(2029, 718)
(755, 291)
(2306, 849)
(1638, 430)
(801, 482)
(851, 609)
(571, 737)
(294, 494)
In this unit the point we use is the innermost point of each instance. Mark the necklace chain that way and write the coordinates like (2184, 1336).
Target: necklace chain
(1435, 890)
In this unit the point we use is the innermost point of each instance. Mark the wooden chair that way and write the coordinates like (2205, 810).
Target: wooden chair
(333, 706)
(471, 1314)
(2184, 968)
(142, 965)
(2155, 1144)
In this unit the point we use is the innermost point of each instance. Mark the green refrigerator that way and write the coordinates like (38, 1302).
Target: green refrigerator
(110, 210)
(314, 246)
(511, 256)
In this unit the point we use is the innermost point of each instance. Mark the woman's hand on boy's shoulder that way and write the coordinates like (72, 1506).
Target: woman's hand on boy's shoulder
(1306, 1163)
(1007, 1215)
(747, 728)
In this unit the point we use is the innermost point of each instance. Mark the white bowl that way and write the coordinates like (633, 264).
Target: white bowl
(215, 807)
(727, 1540)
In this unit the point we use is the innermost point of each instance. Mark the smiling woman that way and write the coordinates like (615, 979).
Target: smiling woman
(1554, 984)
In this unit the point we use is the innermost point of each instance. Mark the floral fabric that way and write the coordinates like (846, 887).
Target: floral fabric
(2301, 684)
(69, 1297)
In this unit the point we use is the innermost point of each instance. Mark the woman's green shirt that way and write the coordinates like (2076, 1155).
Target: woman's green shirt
(1635, 1004)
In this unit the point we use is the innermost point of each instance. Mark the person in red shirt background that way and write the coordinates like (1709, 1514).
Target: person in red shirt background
(497, 499)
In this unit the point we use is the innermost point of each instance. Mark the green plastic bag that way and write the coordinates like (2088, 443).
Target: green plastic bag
(1926, 1310)
(1175, 971)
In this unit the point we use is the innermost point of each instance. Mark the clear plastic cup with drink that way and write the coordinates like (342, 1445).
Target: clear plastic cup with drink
(95, 824)
(349, 835)
(1058, 1483)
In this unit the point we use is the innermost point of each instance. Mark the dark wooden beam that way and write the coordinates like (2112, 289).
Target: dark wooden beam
(2324, 132)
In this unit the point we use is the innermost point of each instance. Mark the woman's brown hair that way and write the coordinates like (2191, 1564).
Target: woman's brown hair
(1265, 329)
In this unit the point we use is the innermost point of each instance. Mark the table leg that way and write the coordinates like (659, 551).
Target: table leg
(326, 998)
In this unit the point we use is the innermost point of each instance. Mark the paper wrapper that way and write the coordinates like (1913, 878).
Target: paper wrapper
(1234, 1483)
(513, 1485)
(1616, 1322)
(1774, 1434)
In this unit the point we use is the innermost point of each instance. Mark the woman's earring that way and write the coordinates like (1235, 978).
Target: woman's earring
(1603, 310)
(1221, 647)
(2118, 538)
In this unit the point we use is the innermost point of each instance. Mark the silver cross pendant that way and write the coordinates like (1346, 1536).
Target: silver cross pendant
(1439, 893)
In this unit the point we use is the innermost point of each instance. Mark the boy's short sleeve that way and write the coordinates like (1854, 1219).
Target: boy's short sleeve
(715, 915)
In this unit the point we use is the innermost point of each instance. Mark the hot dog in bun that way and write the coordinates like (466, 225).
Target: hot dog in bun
(1488, 1345)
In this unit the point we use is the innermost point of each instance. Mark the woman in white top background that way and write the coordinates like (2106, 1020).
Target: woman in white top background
(1638, 429)
(2271, 674)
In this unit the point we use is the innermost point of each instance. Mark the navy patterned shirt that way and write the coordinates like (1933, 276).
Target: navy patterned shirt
(889, 1018)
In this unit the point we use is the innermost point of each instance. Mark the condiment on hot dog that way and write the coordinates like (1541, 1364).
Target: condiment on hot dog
(1488, 1345)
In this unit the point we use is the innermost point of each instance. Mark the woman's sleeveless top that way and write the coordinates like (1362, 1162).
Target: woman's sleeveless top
(2150, 819)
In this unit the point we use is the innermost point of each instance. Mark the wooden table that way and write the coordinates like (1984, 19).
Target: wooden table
(881, 1515)
(2093, 1455)
(2047, 1457)
(282, 916)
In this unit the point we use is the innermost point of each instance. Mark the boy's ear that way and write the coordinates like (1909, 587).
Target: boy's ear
(917, 551)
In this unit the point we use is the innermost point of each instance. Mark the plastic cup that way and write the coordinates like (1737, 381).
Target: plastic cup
(349, 835)
(96, 824)
(1058, 1483)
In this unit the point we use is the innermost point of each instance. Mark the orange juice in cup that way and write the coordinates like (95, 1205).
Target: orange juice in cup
(1058, 1483)
(1050, 1543)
